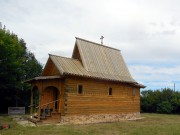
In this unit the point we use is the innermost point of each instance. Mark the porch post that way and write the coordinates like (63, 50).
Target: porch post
(40, 96)
(39, 110)
(31, 106)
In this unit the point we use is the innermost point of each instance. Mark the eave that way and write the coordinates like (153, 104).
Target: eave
(42, 78)
(131, 83)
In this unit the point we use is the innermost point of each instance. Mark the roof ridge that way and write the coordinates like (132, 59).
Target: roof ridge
(97, 43)
(63, 57)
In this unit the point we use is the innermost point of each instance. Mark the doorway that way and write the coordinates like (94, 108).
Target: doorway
(51, 98)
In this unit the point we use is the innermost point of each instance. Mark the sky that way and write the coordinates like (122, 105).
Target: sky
(146, 31)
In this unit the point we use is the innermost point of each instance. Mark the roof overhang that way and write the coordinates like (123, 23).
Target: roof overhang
(138, 85)
(42, 78)
(135, 84)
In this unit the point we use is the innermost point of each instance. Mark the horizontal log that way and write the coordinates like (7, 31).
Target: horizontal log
(102, 105)
(99, 96)
(99, 112)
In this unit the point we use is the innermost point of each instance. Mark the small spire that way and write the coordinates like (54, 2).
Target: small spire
(102, 40)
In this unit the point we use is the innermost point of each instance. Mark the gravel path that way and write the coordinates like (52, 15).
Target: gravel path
(22, 121)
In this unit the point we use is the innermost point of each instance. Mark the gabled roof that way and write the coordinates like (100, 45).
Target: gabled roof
(93, 60)
(68, 66)
(100, 59)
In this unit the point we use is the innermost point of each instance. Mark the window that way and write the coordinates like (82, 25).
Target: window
(134, 92)
(80, 89)
(110, 91)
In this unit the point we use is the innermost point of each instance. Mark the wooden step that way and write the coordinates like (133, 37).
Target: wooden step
(34, 120)
(54, 118)
(56, 115)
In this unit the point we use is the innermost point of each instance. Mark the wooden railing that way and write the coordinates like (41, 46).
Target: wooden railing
(31, 105)
(49, 103)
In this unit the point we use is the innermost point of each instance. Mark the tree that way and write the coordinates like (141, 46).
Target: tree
(176, 102)
(17, 64)
(160, 101)
(164, 107)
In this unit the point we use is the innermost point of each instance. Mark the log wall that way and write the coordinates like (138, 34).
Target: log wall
(95, 98)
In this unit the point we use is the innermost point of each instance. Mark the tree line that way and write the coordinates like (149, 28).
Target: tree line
(160, 101)
(17, 64)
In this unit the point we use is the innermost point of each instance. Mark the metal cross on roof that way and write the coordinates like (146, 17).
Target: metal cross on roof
(102, 40)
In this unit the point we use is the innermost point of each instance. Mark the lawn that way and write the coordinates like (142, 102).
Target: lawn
(152, 124)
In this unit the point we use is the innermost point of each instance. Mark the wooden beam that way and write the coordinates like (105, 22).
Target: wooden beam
(40, 96)
(31, 107)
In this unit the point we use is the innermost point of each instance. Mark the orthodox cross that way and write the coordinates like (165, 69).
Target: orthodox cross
(102, 40)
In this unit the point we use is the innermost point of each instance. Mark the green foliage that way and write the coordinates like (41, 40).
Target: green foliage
(164, 101)
(17, 64)
(164, 107)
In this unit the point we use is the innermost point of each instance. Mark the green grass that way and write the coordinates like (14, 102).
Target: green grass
(152, 124)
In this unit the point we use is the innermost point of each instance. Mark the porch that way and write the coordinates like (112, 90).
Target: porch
(46, 99)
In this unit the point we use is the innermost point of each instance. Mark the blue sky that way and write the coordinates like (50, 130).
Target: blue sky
(147, 32)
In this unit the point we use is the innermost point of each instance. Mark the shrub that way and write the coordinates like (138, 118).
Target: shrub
(164, 107)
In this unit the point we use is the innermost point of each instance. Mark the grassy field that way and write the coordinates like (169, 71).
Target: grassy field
(152, 124)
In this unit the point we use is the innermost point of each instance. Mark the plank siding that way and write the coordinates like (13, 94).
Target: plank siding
(47, 96)
(95, 98)
(50, 69)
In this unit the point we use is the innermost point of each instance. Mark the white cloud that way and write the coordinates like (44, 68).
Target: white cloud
(156, 76)
(146, 31)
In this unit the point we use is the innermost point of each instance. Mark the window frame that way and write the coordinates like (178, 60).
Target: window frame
(134, 92)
